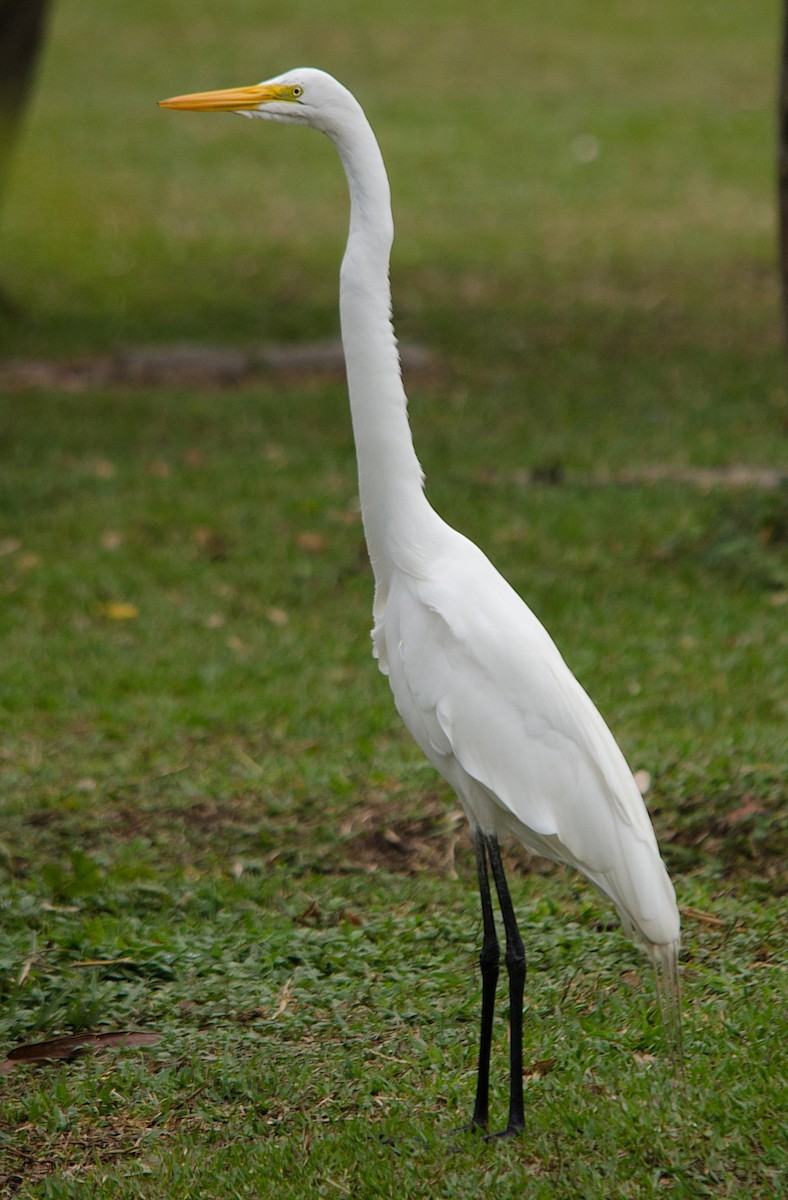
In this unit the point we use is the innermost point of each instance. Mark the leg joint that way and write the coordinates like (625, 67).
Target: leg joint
(515, 965)
(490, 956)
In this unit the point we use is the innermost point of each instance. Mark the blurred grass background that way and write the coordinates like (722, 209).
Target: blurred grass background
(193, 728)
(120, 213)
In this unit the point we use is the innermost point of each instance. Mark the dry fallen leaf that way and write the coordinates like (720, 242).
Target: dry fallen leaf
(23, 974)
(285, 997)
(310, 542)
(104, 962)
(277, 616)
(120, 610)
(310, 915)
(537, 1069)
(703, 918)
(344, 516)
(749, 808)
(60, 1048)
(643, 780)
(211, 543)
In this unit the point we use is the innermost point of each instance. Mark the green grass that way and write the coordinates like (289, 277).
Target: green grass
(214, 825)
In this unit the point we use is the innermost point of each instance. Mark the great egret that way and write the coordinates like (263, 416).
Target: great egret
(476, 678)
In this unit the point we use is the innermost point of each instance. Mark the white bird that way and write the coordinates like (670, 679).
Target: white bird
(475, 676)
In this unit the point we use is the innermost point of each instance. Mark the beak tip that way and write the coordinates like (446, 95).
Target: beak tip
(225, 100)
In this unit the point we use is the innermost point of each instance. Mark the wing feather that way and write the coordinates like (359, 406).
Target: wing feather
(485, 692)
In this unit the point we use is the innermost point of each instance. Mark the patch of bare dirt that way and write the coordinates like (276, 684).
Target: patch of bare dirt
(705, 479)
(744, 834)
(192, 365)
(375, 838)
(734, 476)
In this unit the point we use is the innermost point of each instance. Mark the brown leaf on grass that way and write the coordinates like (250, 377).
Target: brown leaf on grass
(212, 544)
(310, 915)
(643, 780)
(71, 1045)
(285, 996)
(311, 543)
(599, 1089)
(119, 610)
(344, 516)
(111, 540)
(105, 962)
(102, 468)
(537, 1069)
(749, 808)
(277, 616)
(703, 918)
(27, 966)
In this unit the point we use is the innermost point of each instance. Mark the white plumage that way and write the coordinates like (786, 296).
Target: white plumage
(475, 676)
(506, 722)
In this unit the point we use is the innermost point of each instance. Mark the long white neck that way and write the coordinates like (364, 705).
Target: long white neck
(398, 521)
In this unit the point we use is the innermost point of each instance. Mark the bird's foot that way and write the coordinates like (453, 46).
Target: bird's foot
(475, 1126)
(513, 1129)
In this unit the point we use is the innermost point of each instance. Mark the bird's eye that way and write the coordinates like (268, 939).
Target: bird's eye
(296, 91)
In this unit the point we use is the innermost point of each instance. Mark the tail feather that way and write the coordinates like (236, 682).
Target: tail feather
(666, 970)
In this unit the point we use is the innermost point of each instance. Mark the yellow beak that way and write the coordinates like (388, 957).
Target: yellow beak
(227, 100)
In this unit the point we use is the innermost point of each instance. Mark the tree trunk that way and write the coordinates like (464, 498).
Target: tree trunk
(21, 32)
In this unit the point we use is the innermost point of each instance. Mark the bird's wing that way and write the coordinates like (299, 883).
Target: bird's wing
(479, 681)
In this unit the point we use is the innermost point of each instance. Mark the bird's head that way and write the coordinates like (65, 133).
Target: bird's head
(304, 96)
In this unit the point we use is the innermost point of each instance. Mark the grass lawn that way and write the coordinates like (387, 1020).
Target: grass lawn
(214, 826)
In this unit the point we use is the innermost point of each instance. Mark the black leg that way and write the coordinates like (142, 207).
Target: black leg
(488, 961)
(515, 965)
